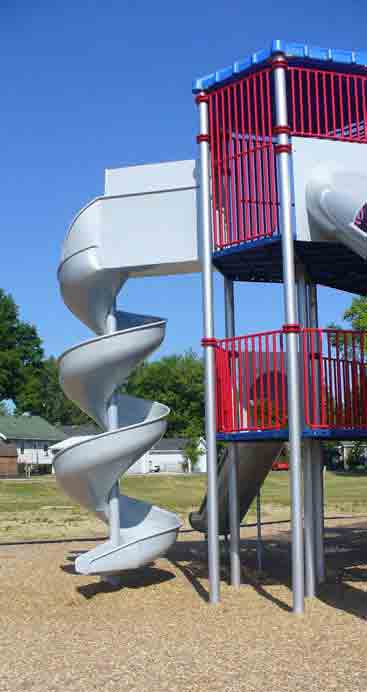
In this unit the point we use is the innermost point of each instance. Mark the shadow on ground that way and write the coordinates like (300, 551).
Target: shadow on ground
(346, 559)
(132, 579)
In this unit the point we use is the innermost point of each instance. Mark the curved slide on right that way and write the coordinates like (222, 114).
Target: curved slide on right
(255, 460)
(336, 200)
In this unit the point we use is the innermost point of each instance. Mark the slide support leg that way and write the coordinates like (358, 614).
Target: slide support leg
(112, 414)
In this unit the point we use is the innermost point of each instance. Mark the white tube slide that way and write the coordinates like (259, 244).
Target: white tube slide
(335, 198)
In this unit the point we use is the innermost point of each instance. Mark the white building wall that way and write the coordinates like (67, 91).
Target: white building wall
(33, 452)
(201, 464)
(168, 462)
(140, 466)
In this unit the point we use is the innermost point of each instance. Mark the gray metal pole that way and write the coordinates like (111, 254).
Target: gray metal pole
(259, 546)
(284, 177)
(310, 566)
(234, 512)
(317, 473)
(309, 533)
(318, 497)
(209, 359)
(113, 424)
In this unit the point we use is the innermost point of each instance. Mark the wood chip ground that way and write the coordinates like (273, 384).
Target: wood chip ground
(62, 632)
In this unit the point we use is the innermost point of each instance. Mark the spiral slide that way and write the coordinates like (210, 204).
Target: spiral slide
(133, 230)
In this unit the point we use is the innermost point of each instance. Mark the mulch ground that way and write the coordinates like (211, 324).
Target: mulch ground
(65, 632)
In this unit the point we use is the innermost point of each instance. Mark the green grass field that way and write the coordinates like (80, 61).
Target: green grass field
(39, 509)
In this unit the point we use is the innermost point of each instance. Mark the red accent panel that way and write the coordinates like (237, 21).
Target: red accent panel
(282, 130)
(209, 342)
(202, 138)
(283, 148)
(279, 62)
(291, 328)
(201, 98)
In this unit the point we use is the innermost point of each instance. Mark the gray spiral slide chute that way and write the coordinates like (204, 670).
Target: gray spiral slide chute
(125, 234)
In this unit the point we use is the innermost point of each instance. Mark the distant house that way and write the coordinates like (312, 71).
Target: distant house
(8, 460)
(32, 437)
(167, 456)
(74, 434)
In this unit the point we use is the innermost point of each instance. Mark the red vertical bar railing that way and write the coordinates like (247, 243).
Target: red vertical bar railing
(251, 383)
(327, 104)
(243, 167)
(335, 373)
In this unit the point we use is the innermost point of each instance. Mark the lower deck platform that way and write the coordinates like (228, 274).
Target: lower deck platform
(268, 435)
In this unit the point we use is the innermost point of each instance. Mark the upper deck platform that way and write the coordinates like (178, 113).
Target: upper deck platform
(327, 117)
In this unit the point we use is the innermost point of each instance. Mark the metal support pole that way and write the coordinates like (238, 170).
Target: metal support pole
(259, 545)
(209, 355)
(310, 566)
(309, 533)
(317, 473)
(283, 150)
(318, 497)
(233, 504)
(112, 414)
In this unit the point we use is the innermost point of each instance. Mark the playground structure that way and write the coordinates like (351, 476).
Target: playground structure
(283, 195)
(281, 192)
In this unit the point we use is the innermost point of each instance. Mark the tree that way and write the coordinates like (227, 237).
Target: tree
(356, 455)
(42, 395)
(356, 314)
(21, 352)
(191, 450)
(4, 409)
(178, 382)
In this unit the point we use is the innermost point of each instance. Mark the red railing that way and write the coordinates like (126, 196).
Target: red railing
(328, 105)
(321, 103)
(244, 189)
(335, 379)
(252, 381)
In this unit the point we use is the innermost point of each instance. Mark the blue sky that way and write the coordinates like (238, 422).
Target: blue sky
(92, 85)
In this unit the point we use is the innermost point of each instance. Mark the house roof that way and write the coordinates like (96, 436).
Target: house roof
(69, 442)
(80, 430)
(169, 444)
(302, 53)
(29, 428)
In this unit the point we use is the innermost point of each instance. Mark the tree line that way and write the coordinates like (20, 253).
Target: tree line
(30, 380)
